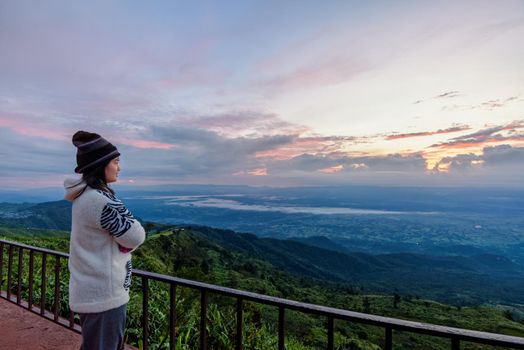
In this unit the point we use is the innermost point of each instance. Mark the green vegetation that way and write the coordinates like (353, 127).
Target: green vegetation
(47, 215)
(426, 264)
(233, 260)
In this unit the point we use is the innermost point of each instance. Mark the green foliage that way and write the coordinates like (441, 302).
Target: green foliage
(47, 215)
(195, 255)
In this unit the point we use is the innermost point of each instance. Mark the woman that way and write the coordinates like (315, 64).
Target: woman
(103, 235)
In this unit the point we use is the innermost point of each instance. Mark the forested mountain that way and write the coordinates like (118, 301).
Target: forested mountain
(451, 279)
(470, 279)
(46, 215)
(283, 269)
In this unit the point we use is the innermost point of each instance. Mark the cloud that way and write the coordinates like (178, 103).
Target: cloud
(247, 123)
(449, 94)
(478, 142)
(485, 133)
(325, 72)
(21, 155)
(211, 147)
(258, 172)
(199, 153)
(145, 143)
(206, 156)
(494, 161)
(332, 169)
(149, 150)
(484, 136)
(445, 95)
(428, 133)
(102, 60)
(458, 163)
(487, 105)
(314, 145)
(32, 128)
(504, 155)
(497, 103)
(210, 141)
(347, 164)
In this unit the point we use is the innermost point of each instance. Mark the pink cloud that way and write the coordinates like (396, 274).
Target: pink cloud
(428, 133)
(244, 122)
(478, 143)
(254, 172)
(333, 169)
(312, 145)
(329, 72)
(146, 144)
(490, 135)
(258, 172)
(23, 127)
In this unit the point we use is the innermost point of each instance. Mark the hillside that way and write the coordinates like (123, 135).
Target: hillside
(199, 253)
(466, 278)
(450, 279)
(47, 215)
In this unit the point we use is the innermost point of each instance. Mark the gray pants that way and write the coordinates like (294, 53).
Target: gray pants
(104, 330)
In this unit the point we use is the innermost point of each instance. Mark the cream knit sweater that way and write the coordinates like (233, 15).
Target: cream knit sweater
(100, 273)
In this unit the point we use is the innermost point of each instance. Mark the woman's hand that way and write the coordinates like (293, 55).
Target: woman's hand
(124, 249)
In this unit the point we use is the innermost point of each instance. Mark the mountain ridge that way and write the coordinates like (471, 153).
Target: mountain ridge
(460, 280)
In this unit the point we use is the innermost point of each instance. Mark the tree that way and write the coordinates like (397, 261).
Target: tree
(366, 305)
(396, 300)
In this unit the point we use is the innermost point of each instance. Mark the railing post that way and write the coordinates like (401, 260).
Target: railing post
(455, 344)
(57, 287)
(172, 317)
(239, 325)
(20, 271)
(145, 312)
(42, 287)
(31, 278)
(388, 341)
(71, 319)
(281, 338)
(203, 316)
(330, 331)
(9, 272)
(1, 264)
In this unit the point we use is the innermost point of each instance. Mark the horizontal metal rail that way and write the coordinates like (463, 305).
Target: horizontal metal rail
(455, 335)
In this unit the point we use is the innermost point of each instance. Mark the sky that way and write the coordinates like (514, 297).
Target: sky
(266, 93)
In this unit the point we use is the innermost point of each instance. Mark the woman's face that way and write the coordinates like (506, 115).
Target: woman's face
(112, 169)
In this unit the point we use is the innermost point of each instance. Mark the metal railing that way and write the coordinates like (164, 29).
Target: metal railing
(455, 335)
(40, 309)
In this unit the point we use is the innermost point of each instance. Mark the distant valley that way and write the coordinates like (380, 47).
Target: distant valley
(472, 257)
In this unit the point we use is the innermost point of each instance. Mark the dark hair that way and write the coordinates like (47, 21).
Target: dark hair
(96, 178)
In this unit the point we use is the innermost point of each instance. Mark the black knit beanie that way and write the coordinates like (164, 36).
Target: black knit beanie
(92, 150)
